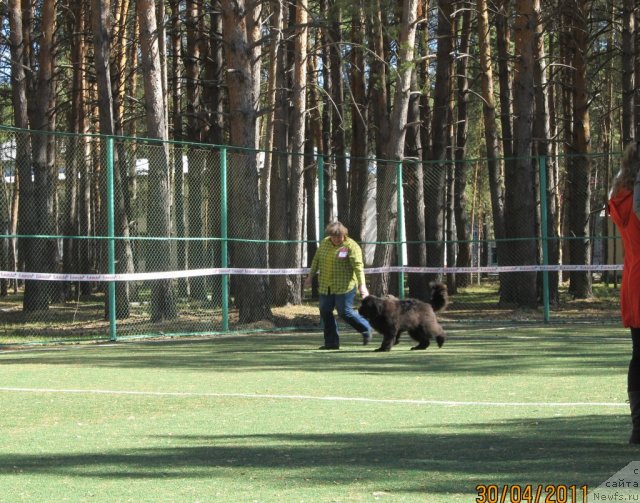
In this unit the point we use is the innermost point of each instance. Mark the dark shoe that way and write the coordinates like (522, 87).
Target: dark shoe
(634, 404)
(366, 338)
(329, 347)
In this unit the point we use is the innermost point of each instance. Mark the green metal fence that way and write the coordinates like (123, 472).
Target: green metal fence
(115, 238)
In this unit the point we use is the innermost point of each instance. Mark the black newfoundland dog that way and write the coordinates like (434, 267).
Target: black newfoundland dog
(391, 316)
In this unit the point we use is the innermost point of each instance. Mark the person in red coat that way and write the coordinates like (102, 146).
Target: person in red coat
(624, 199)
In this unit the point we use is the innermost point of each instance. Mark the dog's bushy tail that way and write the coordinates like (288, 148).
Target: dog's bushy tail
(439, 296)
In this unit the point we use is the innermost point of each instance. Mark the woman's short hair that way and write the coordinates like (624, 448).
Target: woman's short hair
(336, 229)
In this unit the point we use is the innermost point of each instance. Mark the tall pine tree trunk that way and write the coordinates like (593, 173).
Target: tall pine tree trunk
(580, 171)
(494, 165)
(393, 148)
(542, 131)
(101, 25)
(358, 170)
(520, 287)
(435, 172)
(163, 303)
(463, 258)
(42, 254)
(241, 31)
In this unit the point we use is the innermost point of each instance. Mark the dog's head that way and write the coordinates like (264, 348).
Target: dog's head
(371, 307)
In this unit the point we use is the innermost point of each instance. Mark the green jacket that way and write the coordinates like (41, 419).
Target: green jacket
(340, 268)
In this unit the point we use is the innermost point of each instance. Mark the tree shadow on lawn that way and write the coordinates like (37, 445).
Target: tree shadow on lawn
(487, 355)
(445, 459)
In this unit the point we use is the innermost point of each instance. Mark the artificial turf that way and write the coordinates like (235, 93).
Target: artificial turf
(269, 418)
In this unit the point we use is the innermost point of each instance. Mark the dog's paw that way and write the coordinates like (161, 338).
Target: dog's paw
(419, 346)
(440, 340)
(381, 349)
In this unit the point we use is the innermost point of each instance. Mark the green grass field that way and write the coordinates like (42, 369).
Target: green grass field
(268, 418)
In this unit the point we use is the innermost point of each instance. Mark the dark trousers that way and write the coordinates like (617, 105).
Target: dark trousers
(633, 378)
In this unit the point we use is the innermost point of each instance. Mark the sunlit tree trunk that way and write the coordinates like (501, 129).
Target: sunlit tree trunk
(298, 135)
(102, 46)
(392, 143)
(42, 256)
(385, 174)
(542, 131)
(214, 72)
(627, 64)
(492, 148)
(280, 161)
(23, 187)
(163, 304)
(241, 30)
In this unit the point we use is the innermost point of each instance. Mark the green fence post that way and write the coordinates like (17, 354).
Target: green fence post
(111, 245)
(400, 227)
(545, 236)
(224, 257)
(320, 197)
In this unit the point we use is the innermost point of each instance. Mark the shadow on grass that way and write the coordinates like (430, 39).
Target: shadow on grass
(469, 354)
(568, 450)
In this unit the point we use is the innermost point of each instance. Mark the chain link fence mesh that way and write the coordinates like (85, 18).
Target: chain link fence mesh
(180, 209)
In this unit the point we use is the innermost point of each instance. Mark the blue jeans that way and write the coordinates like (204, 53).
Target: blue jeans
(344, 304)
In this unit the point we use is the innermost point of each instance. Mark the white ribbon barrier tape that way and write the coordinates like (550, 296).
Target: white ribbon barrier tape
(145, 276)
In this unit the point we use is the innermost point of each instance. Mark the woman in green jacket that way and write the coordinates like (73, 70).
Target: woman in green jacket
(340, 268)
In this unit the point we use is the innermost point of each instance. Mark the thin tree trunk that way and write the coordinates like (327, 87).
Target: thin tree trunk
(275, 46)
(463, 258)
(503, 42)
(494, 165)
(163, 303)
(543, 148)
(413, 179)
(78, 148)
(177, 162)
(196, 203)
(279, 200)
(358, 173)
(627, 63)
(580, 172)
(330, 212)
(337, 112)
(101, 29)
(435, 192)
(214, 72)
(385, 176)
(298, 123)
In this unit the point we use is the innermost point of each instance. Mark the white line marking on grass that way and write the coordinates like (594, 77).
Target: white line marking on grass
(447, 403)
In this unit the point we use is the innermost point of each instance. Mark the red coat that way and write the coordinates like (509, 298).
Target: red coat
(621, 212)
